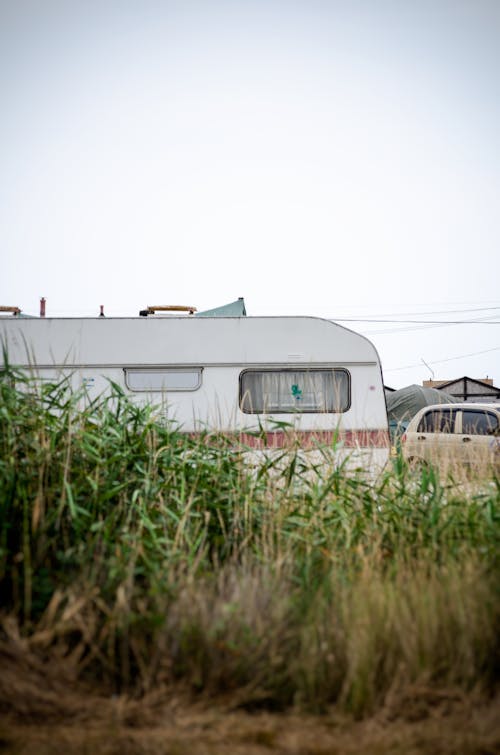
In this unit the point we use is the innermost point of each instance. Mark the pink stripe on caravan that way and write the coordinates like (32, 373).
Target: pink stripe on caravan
(314, 438)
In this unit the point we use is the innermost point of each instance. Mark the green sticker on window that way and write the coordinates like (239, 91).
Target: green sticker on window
(296, 392)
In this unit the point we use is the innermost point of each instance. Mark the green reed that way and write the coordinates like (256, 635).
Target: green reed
(147, 556)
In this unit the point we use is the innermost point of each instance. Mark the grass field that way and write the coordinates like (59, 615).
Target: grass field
(138, 563)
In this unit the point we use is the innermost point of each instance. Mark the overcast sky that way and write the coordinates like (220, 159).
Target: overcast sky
(338, 159)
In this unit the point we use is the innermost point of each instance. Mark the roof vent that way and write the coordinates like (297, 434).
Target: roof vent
(12, 310)
(167, 309)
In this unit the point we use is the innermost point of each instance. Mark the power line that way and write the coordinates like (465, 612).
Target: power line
(407, 330)
(433, 312)
(440, 361)
(478, 321)
(417, 324)
(420, 325)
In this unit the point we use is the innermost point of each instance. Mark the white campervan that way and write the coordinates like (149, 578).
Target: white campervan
(292, 376)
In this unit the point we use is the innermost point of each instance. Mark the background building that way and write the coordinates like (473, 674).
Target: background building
(467, 389)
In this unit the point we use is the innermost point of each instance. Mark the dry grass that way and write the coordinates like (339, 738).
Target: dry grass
(51, 713)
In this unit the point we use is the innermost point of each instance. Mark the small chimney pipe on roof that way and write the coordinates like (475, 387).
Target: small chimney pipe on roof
(101, 313)
(42, 306)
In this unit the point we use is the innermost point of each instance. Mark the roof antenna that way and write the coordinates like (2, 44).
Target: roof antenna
(430, 370)
(101, 313)
(42, 306)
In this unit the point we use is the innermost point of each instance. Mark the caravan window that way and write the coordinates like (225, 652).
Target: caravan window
(160, 379)
(294, 390)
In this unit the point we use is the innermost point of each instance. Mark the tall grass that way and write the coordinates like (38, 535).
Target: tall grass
(146, 557)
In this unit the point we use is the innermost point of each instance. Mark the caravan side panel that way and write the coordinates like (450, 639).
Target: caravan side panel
(191, 370)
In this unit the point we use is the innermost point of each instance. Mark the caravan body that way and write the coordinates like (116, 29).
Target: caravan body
(226, 373)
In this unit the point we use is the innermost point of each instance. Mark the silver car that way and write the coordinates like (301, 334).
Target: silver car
(464, 434)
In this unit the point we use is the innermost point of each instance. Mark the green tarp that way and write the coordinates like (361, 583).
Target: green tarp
(403, 404)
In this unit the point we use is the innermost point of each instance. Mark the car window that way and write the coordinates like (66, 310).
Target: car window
(477, 422)
(437, 421)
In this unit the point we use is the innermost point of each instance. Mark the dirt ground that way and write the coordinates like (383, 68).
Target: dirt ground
(213, 731)
(44, 712)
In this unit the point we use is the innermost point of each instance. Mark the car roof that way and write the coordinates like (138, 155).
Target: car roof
(439, 407)
(463, 405)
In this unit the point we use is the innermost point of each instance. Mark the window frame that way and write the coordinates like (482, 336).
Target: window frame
(288, 369)
(164, 370)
